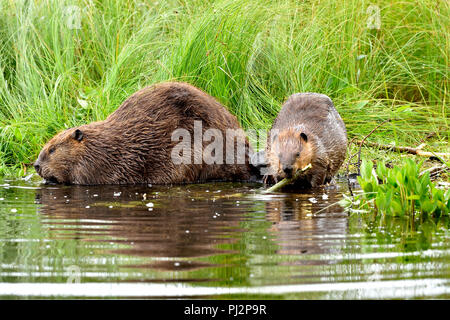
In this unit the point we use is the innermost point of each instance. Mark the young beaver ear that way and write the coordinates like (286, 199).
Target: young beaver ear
(77, 135)
(304, 136)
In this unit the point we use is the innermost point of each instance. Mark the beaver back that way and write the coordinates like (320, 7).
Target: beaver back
(134, 143)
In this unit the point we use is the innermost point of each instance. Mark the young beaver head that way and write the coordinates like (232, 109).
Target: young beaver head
(290, 152)
(59, 156)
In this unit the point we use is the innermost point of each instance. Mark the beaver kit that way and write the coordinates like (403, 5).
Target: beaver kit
(308, 141)
(136, 143)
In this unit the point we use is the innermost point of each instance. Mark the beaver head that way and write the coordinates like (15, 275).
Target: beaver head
(59, 157)
(291, 151)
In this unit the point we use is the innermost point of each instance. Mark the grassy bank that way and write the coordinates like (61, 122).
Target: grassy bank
(65, 63)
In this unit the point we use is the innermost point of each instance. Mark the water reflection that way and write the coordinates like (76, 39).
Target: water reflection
(215, 236)
(301, 223)
(163, 222)
(152, 222)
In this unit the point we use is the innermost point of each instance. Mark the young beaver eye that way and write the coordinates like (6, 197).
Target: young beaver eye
(51, 150)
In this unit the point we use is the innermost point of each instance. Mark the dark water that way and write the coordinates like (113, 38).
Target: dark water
(213, 240)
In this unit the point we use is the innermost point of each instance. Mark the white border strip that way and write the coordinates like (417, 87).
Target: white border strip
(359, 290)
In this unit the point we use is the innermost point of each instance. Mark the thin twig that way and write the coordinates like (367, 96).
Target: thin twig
(416, 151)
(347, 172)
(428, 136)
(363, 140)
(434, 170)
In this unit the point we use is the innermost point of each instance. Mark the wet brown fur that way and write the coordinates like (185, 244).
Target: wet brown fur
(133, 145)
(323, 143)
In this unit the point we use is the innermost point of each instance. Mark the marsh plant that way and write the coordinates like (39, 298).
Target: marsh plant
(399, 191)
(67, 63)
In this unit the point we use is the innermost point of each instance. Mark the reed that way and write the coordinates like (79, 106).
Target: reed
(65, 63)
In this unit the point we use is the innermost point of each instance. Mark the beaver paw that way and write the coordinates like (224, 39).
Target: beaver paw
(269, 179)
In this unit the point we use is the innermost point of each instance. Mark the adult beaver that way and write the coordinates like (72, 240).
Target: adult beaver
(136, 143)
(307, 131)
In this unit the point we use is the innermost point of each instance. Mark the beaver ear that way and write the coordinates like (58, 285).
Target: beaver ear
(304, 136)
(77, 135)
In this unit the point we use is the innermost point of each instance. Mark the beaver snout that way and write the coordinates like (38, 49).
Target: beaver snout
(47, 179)
(37, 166)
(51, 180)
(287, 169)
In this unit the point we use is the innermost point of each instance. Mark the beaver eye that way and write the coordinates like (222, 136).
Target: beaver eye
(51, 150)
(297, 154)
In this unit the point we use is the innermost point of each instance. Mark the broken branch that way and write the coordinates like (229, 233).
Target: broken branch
(287, 181)
(417, 151)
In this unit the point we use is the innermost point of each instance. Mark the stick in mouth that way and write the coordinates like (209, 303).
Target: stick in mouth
(287, 181)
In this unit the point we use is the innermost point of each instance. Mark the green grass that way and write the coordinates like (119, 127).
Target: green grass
(250, 55)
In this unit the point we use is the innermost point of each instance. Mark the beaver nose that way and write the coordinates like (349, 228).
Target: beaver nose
(287, 169)
(37, 166)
